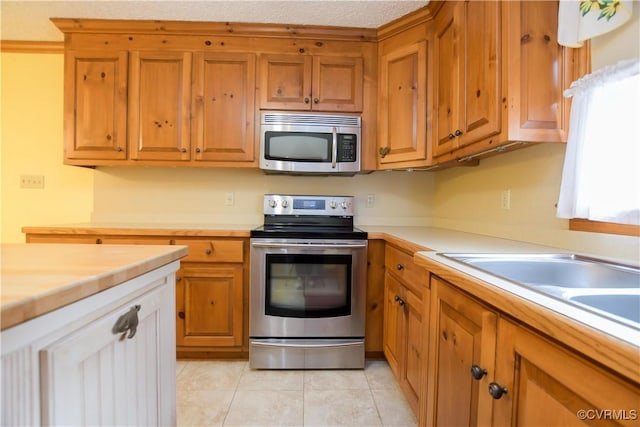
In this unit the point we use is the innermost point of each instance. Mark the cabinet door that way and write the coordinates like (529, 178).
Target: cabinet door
(95, 377)
(223, 106)
(393, 335)
(539, 71)
(573, 392)
(448, 74)
(403, 105)
(95, 105)
(209, 306)
(337, 83)
(481, 92)
(159, 105)
(414, 361)
(285, 82)
(464, 336)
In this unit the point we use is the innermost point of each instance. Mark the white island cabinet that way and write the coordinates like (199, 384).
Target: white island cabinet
(92, 341)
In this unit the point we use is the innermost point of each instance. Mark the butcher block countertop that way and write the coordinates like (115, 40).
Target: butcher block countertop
(39, 278)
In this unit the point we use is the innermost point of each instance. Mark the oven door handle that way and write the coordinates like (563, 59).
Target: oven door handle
(306, 344)
(309, 245)
(334, 148)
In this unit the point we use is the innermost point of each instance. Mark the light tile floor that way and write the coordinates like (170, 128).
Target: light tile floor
(228, 393)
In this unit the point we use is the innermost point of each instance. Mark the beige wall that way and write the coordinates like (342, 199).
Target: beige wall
(178, 195)
(31, 144)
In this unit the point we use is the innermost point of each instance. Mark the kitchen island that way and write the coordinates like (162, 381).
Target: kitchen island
(88, 334)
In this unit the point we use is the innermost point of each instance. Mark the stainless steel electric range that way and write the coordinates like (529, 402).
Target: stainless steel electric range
(308, 285)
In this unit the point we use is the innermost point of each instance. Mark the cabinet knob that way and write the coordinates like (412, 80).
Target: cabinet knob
(383, 151)
(127, 322)
(496, 390)
(477, 372)
(316, 101)
(399, 267)
(396, 298)
(198, 150)
(118, 149)
(181, 314)
(458, 132)
(98, 241)
(401, 302)
(184, 150)
(307, 100)
(451, 136)
(208, 251)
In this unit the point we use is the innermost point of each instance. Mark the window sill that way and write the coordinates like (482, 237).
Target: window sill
(578, 224)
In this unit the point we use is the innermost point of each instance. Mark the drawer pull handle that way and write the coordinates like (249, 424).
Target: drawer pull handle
(127, 322)
(399, 267)
(209, 251)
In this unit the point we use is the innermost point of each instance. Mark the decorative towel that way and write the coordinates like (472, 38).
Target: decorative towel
(580, 20)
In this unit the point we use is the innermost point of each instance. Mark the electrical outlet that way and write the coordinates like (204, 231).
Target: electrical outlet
(31, 181)
(229, 198)
(505, 201)
(371, 200)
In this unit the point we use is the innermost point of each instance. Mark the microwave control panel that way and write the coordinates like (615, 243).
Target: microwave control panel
(347, 144)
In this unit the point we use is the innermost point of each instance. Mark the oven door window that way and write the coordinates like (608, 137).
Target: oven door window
(298, 146)
(308, 286)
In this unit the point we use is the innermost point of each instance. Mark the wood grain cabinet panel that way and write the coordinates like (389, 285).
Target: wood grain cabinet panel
(95, 105)
(405, 323)
(540, 374)
(463, 336)
(468, 89)
(223, 107)
(209, 305)
(403, 104)
(306, 82)
(539, 71)
(159, 105)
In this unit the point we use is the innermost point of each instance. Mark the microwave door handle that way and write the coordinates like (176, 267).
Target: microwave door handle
(334, 149)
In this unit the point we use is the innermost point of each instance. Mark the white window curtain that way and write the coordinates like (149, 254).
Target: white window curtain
(601, 173)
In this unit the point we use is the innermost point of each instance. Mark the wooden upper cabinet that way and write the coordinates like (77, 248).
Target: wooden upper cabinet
(337, 83)
(159, 105)
(539, 71)
(304, 82)
(403, 104)
(467, 74)
(95, 105)
(223, 107)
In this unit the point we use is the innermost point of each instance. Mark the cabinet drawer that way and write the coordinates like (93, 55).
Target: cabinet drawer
(401, 264)
(212, 250)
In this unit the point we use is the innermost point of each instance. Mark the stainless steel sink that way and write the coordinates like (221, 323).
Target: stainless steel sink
(607, 288)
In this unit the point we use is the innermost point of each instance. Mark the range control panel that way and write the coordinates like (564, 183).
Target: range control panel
(276, 204)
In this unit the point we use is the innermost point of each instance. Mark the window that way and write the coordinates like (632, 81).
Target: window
(601, 173)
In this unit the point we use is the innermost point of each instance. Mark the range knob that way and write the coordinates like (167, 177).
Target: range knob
(285, 203)
(333, 204)
(272, 203)
(343, 205)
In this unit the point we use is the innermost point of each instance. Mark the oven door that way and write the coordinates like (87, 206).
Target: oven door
(307, 288)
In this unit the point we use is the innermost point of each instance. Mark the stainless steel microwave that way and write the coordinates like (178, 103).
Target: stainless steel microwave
(310, 143)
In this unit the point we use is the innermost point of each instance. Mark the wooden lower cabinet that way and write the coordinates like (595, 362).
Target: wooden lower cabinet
(462, 338)
(549, 385)
(405, 322)
(485, 369)
(209, 306)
